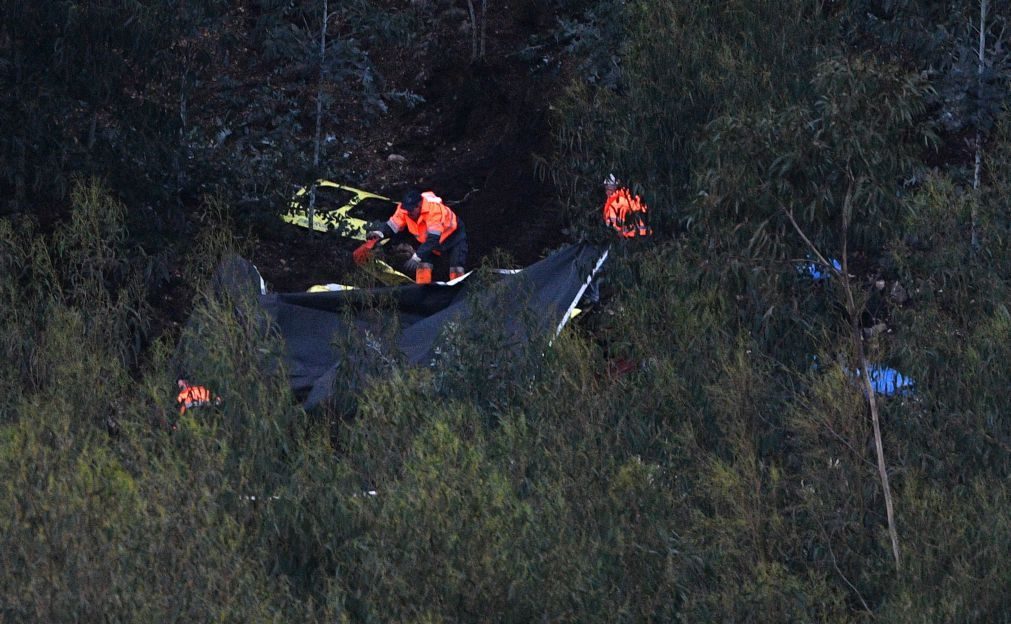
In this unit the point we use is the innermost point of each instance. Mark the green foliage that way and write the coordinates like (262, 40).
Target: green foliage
(463, 508)
(73, 293)
(812, 182)
(158, 98)
(489, 358)
(682, 65)
(77, 93)
(956, 333)
(832, 165)
(103, 516)
(585, 36)
(92, 531)
(695, 448)
(959, 535)
(782, 494)
(710, 482)
(379, 24)
(120, 527)
(215, 239)
(473, 517)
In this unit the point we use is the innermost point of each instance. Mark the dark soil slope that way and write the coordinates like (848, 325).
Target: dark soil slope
(471, 142)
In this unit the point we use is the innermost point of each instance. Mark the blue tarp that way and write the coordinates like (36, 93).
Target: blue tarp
(888, 381)
(885, 381)
(817, 272)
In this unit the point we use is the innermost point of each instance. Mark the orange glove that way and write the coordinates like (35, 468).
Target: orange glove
(362, 254)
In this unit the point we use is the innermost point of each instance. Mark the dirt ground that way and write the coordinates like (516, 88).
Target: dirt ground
(471, 143)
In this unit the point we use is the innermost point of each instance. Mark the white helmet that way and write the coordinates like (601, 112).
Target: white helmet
(610, 180)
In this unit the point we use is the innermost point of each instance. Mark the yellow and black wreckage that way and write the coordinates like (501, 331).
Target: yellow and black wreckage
(329, 207)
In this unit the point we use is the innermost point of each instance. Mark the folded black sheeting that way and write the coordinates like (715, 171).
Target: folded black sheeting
(411, 319)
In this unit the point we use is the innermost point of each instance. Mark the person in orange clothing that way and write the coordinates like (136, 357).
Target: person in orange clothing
(623, 211)
(191, 396)
(435, 226)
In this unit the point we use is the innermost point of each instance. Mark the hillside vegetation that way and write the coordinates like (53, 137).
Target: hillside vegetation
(702, 446)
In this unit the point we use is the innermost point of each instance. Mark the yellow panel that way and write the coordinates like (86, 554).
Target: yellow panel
(336, 220)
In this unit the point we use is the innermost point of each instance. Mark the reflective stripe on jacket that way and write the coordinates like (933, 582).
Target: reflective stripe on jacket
(626, 213)
(435, 218)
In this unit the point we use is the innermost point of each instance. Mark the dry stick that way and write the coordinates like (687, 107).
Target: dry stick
(473, 31)
(311, 213)
(319, 89)
(842, 440)
(183, 120)
(484, 26)
(879, 447)
(828, 542)
(462, 199)
(984, 6)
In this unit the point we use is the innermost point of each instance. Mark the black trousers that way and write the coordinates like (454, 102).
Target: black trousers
(450, 253)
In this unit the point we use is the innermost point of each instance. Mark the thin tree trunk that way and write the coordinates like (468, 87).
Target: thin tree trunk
(183, 113)
(93, 129)
(879, 447)
(858, 343)
(311, 212)
(984, 6)
(858, 346)
(484, 26)
(319, 90)
(473, 31)
(178, 162)
(20, 169)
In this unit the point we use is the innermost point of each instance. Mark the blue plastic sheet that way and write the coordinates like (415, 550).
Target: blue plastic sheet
(885, 381)
(888, 381)
(817, 272)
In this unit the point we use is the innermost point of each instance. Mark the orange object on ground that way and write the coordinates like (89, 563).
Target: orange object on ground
(364, 251)
(423, 274)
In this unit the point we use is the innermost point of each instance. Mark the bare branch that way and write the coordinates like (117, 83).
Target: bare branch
(828, 542)
(789, 214)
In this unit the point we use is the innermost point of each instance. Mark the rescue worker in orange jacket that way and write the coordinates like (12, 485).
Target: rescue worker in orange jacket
(623, 211)
(434, 225)
(191, 396)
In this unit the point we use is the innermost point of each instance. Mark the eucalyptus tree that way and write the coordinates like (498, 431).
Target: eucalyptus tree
(814, 182)
(962, 48)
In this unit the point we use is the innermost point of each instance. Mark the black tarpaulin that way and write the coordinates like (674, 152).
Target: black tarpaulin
(314, 326)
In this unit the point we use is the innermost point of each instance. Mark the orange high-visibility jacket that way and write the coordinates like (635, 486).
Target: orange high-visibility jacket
(192, 396)
(435, 218)
(626, 213)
